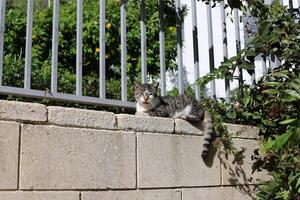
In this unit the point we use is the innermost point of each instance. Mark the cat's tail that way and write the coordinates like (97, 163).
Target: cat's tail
(208, 135)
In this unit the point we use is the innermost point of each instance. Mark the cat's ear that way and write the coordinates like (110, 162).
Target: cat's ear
(155, 85)
(135, 85)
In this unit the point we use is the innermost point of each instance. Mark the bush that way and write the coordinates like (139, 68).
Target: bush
(41, 50)
(273, 105)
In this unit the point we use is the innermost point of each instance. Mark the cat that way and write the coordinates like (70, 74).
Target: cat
(183, 106)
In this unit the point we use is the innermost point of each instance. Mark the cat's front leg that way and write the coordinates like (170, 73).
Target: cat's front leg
(141, 114)
(183, 116)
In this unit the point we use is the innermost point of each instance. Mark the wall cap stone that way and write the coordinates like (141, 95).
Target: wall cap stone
(64, 116)
(243, 131)
(145, 123)
(81, 118)
(22, 111)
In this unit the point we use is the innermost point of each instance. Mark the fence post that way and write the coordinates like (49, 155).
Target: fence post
(238, 47)
(179, 46)
(211, 48)
(54, 58)
(195, 46)
(225, 47)
(2, 28)
(123, 52)
(162, 48)
(79, 48)
(102, 49)
(143, 42)
(28, 48)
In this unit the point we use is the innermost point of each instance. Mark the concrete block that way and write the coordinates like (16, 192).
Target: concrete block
(9, 147)
(174, 161)
(20, 111)
(39, 195)
(242, 131)
(133, 195)
(71, 158)
(145, 123)
(217, 193)
(81, 117)
(185, 127)
(236, 174)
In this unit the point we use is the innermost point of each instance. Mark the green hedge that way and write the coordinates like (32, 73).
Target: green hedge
(15, 30)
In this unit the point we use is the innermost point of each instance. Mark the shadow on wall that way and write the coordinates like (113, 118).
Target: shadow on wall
(238, 177)
(235, 172)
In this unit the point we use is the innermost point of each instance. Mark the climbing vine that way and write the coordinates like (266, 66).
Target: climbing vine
(273, 104)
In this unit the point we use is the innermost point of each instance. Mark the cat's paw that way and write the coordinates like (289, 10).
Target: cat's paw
(141, 114)
(183, 117)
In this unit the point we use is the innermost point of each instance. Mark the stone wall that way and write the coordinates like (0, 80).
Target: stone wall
(56, 153)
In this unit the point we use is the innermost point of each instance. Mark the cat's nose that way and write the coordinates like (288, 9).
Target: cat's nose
(146, 98)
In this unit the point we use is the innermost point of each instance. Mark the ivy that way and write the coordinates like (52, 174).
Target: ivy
(273, 104)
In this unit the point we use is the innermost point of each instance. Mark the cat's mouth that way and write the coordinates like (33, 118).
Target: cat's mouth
(145, 102)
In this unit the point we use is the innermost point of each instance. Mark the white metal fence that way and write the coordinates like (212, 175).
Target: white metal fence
(102, 100)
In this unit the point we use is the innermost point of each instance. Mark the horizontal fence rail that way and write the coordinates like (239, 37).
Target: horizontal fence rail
(53, 93)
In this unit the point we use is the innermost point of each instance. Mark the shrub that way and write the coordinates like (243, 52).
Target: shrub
(273, 105)
(41, 50)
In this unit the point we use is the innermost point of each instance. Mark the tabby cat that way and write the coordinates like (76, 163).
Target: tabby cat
(183, 106)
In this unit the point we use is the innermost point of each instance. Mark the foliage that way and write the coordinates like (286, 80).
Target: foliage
(273, 105)
(15, 29)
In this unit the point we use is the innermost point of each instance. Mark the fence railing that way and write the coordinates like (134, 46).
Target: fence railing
(53, 93)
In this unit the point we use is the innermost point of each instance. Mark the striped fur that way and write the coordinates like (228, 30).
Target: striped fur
(183, 106)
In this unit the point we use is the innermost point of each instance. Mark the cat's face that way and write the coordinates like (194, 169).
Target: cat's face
(144, 93)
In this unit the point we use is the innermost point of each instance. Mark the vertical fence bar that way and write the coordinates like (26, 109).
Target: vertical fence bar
(264, 65)
(253, 81)
(195, 47)
(102, 49)
(28, 51)
(123, 51)
(225, 47)
(274, 61)
(2, 28)
(54, 58)
(179, 22)
(211, 48)
(79, 48)
(143, 42)
(238, 46)
(291, 7)
(162, 60)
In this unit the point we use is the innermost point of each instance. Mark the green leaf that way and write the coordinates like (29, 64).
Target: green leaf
(273, 84)
(293, 177)
(270, 91)
(282, 73)
(284, 195)
(246, 100)
(288, 121)
(281, 140)
(250, 52)
(298, 184)
(295, 85)
(247, 66)
(293, 93)
(266, 146)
